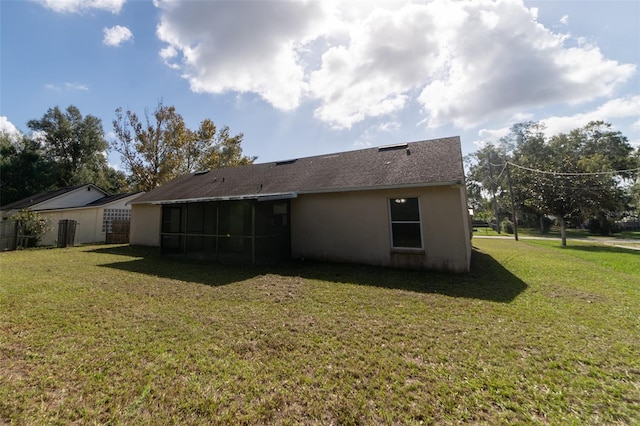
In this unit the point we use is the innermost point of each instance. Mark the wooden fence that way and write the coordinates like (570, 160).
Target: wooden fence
(119, 233)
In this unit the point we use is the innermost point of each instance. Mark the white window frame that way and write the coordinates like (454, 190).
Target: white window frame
(392, 222)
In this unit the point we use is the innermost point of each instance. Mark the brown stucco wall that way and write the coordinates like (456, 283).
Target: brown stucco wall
(88, 228)
(145, 225)
(354, 227)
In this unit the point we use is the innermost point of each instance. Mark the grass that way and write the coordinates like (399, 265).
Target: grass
(554, 232)
(536, 334)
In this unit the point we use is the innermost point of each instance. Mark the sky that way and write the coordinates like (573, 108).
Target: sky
(302, 78)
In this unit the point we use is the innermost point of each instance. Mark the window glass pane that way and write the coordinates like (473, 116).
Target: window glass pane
(406, 235)
(404, 209)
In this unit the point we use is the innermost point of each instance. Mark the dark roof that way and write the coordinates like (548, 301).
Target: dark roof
(110, 198)
(431, 162)
(39, 198)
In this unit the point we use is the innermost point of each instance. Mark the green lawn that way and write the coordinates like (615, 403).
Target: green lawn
(536, 334)
(554, 232)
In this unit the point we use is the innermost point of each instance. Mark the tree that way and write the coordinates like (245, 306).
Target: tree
(573, 176)
(24, 170)
(77, 147)
(161, 147)
(483, 183)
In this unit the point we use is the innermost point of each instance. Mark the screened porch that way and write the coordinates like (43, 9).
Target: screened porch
(237, 231)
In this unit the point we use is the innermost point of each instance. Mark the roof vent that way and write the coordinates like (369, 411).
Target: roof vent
(201, 172)
(393, 147)
(281, 163)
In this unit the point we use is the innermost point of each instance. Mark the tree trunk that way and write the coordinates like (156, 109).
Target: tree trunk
(541, 224)
(563, 231)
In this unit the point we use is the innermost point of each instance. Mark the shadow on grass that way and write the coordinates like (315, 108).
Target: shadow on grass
(488, 279)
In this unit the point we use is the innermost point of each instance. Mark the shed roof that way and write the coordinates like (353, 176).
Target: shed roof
(110, 199)
(424, 163)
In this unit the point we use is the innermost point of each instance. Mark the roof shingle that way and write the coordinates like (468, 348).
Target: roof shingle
(431, 162)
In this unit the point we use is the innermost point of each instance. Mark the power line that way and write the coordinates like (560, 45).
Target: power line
(612, 172)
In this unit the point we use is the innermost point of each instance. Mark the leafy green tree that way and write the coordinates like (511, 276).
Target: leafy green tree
(486, 185)
(24, 170)
(161, 147)
(77, 147)
(582, 174)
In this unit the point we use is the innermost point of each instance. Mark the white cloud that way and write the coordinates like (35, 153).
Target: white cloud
(116, 35)
(79, 6)
(516, 65)
(8, 128)
(67, 86)
(76, 86)
(461, 62)
(492, 135)
(564, 20)
(369, 136)
(609, 111)
(241, 46)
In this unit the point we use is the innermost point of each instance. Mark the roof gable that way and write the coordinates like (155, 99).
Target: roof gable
(432, 162)
(70, 196)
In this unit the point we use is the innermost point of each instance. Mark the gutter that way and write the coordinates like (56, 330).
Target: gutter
(262, 197)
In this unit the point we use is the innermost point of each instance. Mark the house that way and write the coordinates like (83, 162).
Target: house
(400, 205)
(91, 207)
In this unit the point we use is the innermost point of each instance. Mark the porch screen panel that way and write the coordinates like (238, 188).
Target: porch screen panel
(172, 238)
(234, 231)
(272, 231)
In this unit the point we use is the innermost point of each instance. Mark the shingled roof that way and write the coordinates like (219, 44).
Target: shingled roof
(425, 163)
(110, 199)
(39, 198)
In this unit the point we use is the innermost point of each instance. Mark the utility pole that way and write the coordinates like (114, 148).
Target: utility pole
(513, 206)
(493, 191)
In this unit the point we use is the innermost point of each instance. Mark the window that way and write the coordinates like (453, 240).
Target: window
(405, 223)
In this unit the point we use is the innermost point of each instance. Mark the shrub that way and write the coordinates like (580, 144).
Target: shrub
(545, 224)
(506, 226)
(602, 226)
(32, 226)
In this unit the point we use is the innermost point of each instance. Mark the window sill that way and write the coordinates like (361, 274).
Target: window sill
(407, 250)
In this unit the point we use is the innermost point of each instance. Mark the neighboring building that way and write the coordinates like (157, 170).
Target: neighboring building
(401, 205)
(91, 207)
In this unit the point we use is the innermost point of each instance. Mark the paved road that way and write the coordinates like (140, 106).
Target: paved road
(615, 242)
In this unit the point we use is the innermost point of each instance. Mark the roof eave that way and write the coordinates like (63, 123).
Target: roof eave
(290, 195)
(258, 197)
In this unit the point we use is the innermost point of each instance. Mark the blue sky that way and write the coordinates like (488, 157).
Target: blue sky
(304, 78)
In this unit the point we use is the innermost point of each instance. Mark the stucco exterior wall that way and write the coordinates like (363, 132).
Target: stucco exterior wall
(355, 227)
(88, 229)
(145, 225)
